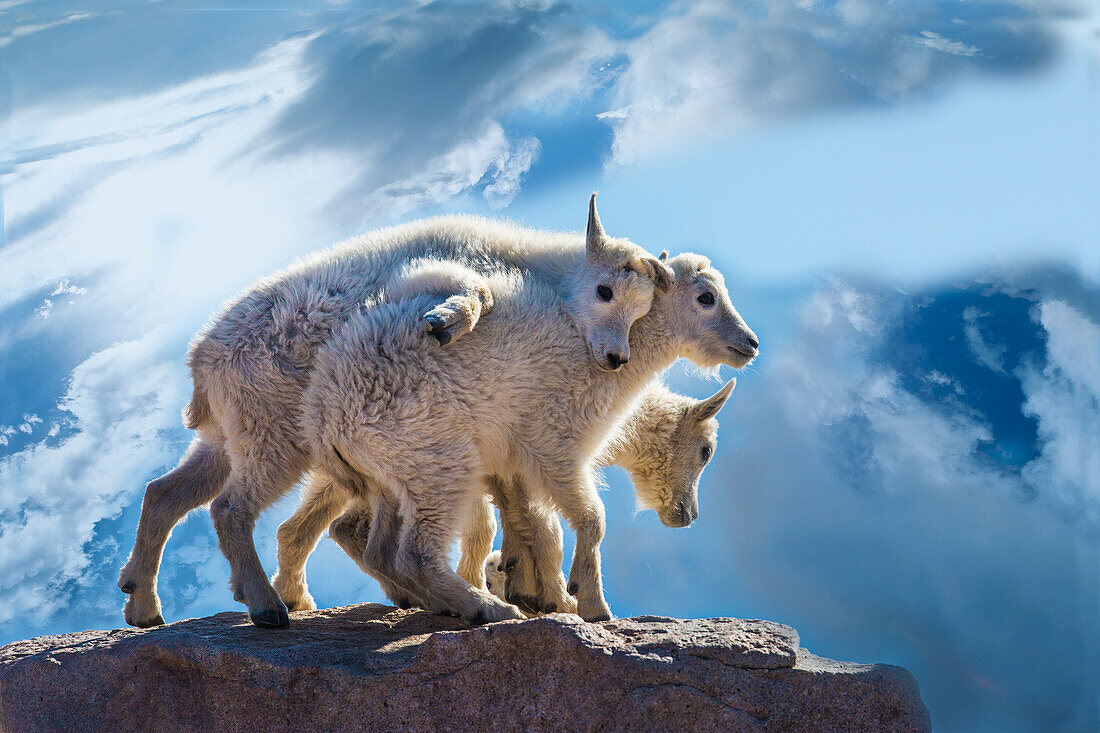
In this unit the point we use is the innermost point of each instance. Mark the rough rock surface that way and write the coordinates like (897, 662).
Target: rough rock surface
(373, 667)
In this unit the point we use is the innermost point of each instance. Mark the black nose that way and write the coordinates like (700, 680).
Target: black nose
(754, 342)
(615, 361)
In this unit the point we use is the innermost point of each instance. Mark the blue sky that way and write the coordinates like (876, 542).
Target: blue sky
(902, 196)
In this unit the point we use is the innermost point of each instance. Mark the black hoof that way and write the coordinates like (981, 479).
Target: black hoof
(525, 603)
(479, 619)
(128, 587)
(435, 321)
(550, 608)
(510, 565)
(404, 604)
(573, 588)
(271, 618)
(238, 594)
(157, 620)
(443, 337)
(601, 617)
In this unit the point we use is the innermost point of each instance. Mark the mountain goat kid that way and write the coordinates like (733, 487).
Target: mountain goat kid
(514, 398)
(251, 365)
(664, 443)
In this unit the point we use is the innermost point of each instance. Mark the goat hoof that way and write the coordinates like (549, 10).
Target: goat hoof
(600, 617)
(479, 619)
(404, 603)
(148, 623)
(435, 321)
(550, 608)
(238, 594)
(271, 618)
(128, 587)
(510, 565)
(573, 588)
(525, 603)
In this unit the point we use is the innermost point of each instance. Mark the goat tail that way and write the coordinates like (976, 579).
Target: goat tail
(197, 413)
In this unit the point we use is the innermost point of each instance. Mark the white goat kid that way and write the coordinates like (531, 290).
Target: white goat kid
(435, 421)
(664, 444)
(251, 365)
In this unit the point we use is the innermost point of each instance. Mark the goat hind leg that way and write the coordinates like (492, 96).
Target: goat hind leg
(196, 481)
(246, 494)
(370, 534)
(430, 515)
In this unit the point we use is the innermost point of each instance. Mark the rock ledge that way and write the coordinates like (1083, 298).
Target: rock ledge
(378, 668)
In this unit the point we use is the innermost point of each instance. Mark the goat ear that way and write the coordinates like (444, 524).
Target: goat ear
(594, 235)
(709, 407)
(663, 256)
(661, 274)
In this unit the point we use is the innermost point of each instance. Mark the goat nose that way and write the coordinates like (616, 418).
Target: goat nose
(753, 341)
(615, 360)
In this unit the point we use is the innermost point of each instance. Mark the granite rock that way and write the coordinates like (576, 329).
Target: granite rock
(378, 668)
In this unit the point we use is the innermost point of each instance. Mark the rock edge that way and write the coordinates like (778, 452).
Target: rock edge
(379, 668)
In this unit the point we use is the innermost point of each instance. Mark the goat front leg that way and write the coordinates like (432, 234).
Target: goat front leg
(466, 292)
(323, 501)
(573, 491)
(458, 315)
(516, 561)
(535, 526)
(477, 542)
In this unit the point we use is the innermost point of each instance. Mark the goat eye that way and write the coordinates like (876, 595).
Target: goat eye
(704, 452)
(707, 299)
(605, 293)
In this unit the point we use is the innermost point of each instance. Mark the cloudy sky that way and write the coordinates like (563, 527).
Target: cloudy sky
(903, 196)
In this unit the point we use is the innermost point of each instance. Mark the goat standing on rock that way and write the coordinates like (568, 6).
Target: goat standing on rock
(566, 309)
(252, 364)
(426, 424)
(665, 443)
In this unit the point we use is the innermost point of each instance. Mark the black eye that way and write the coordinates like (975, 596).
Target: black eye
(489, 584)
(707, 299)
(605, 293)
(704, 453)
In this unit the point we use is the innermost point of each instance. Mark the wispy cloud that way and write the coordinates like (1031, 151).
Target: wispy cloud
(709, 68)
(419, 97)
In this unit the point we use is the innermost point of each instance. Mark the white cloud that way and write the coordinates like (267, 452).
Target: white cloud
(937, 42)
(708, 68)
(989, 355)
(26, 29)
(1064, 397)
(122, 401)
(508, 170)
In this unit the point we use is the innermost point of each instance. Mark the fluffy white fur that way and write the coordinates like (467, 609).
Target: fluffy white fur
(252, 363)
(515, 398)
(664, 443)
